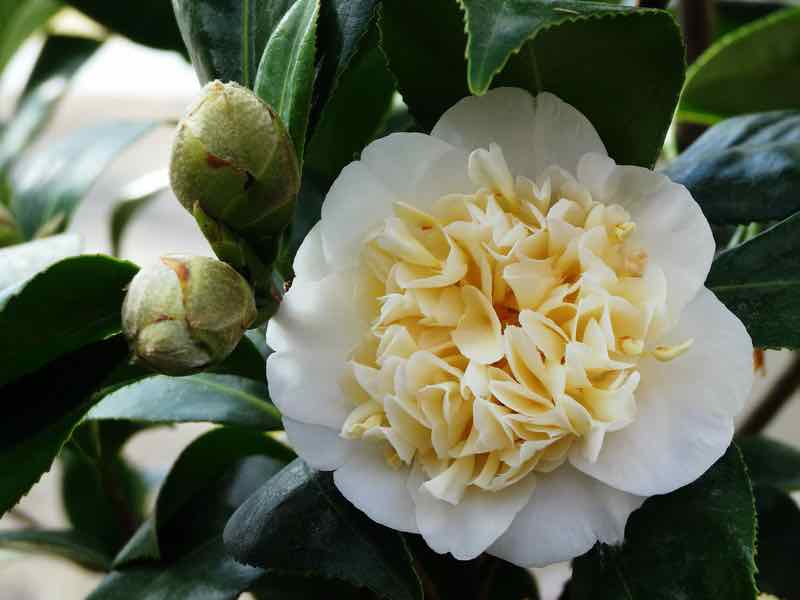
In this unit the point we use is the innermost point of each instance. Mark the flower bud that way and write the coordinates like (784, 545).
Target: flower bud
(187, 313)
(233, 156)
(9, 231)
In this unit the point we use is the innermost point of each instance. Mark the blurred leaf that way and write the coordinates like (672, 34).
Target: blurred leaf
(134, 197)
(759, 61)
(58, 61)
(585, 53)
(772, 463)
(226, 38)
(47, 405)
(285, 77)
(71, 304)
(759, 282)
(25, 260)
(732, 14)
(696, 542)
(778, 543)
(298, 523)
(148, 22)
(70, 545)
(285, 587)
(744, 169)
(51, 184)
(18, 20)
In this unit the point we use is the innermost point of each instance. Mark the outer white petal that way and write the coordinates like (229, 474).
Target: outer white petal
(319, 446)
(670, 224)
(376, 488)
(309, 262)
(312, 334)
(534, 133)
(362, 196)
(685, 407)
(471, 526)
(566, 515)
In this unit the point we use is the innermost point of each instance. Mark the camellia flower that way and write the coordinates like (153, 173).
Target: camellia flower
(500, 339)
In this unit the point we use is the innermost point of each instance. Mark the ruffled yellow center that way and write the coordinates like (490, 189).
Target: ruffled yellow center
(507, 330)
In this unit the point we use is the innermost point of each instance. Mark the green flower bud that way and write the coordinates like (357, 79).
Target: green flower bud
(9, 231)
(187, 313)
(234, 158)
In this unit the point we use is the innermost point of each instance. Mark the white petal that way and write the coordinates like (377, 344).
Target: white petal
(566, 515)
(470, 527)
(389, 171)
(534, 133)
(319, 446)
(309, 262)
(312, 334)
(685, 407)
(669, 223)
(376, 488)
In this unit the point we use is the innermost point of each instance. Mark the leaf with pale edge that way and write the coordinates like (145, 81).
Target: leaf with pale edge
(66, 544)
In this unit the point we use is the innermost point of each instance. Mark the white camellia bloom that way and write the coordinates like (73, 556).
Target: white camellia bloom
(500, 339)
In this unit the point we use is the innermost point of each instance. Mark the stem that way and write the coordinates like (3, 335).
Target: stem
(774, 401)
(696, 21)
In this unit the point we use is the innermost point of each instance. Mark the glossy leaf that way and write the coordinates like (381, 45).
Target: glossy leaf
(285, 77)
(745, 168)
(298, 523)
(48, 405)
(226, 38)
(134, 197)
(20, 19)
(778, 543)
(580, 51)
(58, 61)
(759, 281)
(69, 545)
(298, 587)
(752, 69)
(83, 301)
(696, 542)
(51, 183)
(772, 463)
(22, 261)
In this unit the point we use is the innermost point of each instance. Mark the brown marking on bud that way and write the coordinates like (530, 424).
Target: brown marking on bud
(215, 162)
(161, 318)
(180, 267)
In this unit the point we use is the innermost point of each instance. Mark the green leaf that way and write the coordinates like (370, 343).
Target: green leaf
(69, 545)
(134, 197)
(586, 53)
(752, 69)
(697, 542)
(207, 572)
(744, 169)
(23, 261)
(778, 542)
(18, 20)
(298, 523)
(71, 304)
(226, 38)
(770, 462)
(51, 183)
(205, 397)
(47, 406)
(285, 77)
(148, 22)
(759, 282)
(58, 61)
(285, 587)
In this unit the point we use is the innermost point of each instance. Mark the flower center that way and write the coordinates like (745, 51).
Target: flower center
(507, 331)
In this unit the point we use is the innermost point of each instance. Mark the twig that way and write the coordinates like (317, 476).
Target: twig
(774, 401)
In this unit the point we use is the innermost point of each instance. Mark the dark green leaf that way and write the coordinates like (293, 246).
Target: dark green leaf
(71, 304)
(778, 543)
(697, 542)
(206, 573)
(46, 406)
(590, 53)
(759, 61)
(759, 281)
(744, 169)
(770, 462)
(226, 38)
(148, 22)
(51, 183)
(286, 587)
(69, 545)
(298, 523)
(285, 75)
(20, 19)
(22, 261)
(205, 397)
(732, 14)
(134, 197)
(58, 61)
